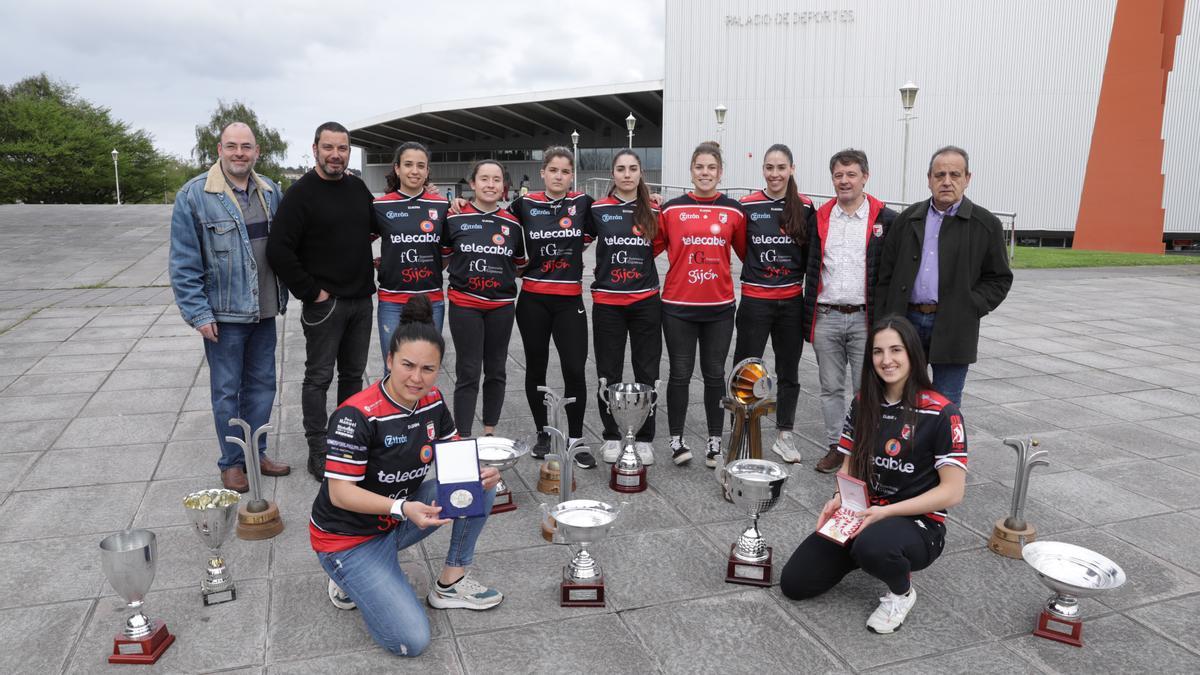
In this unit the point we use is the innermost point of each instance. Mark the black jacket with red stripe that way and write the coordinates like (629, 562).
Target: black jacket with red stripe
(383, 447)
(774, 265)
(410, 231)
(485, 250)
(879, 219)
(625, 272)
(555, 234)
(699, 233)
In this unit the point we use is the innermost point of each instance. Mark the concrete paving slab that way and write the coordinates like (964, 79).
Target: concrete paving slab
(1093, 500)
(531, 650)
(41, 637)
(91, 432)
(104, 465)
(1110, 643)
(50, 570)
(989, 659)
(74, 510)
(1176, 620)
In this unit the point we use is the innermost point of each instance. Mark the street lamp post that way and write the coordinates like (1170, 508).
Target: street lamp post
(908, 97)
(720, 111)
(630, 123)
(117, 175)
(575, 160)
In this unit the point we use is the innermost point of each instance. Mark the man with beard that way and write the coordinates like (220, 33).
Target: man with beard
(226, 290)
(321, 248)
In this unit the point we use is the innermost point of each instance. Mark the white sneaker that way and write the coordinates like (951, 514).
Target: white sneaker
(890, 614)
(610, 451)
(339, 598)
(645, 452)
(713, 449)
(466, 594)
(785, 447)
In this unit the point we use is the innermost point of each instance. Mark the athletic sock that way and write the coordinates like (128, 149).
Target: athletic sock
(446, 587)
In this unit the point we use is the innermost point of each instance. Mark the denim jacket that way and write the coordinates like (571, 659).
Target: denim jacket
(213, 271)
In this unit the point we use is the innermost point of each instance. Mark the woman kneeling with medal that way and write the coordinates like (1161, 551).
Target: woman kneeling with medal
(376, 499)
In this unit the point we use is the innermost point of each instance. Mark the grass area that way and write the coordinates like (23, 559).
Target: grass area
(1029, 257)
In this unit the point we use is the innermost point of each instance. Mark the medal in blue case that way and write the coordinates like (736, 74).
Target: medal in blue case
(460, 491)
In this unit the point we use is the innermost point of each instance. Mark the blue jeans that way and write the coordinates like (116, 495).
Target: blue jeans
(241, 369)
(948, 378)
(388, 317)
(370, 574)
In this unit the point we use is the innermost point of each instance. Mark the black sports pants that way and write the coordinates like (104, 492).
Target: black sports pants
(758, 319)
(480, 339)
(641, 324)
(541, 316)
(682, 336)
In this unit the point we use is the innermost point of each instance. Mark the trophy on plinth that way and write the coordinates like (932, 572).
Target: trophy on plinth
(550, 472)
(128, 559)
(630, 403)
(750, 396)
(501, 453)
(1072, 572)
(1012, 533)
(213, 514)
(581, 523)
(565, 485)
(755, 485)
(258, 518)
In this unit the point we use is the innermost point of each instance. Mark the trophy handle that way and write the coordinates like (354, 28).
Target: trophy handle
(603, 393)
(658, 393)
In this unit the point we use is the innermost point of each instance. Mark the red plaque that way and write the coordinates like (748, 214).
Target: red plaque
(749, 573)
(627, 482)
(144, 650)
(504, 502)
(575, 594)
(1051, 627)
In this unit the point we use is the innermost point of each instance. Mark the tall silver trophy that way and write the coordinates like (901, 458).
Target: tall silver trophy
(1011, 534)
(1072, 572)
(258, 518)
(129, 559)
(582, 522)
(755, 485)
(213, 514)
(630, 404)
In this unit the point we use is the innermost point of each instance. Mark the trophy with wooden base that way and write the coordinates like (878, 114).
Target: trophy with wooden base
(128, 559)
(1072, 572)
(582, 522)
(213, 514)
(630, 404)
(755, 485)
(258, 518)
(750, 396)
(1012, 533)
(501, 453)
(549, 472)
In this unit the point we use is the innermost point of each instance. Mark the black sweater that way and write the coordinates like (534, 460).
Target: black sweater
(321, 238)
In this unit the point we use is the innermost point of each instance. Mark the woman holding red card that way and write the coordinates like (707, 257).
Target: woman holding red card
(907, 443)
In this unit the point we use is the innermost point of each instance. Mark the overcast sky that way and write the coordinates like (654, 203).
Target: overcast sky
(162, 66)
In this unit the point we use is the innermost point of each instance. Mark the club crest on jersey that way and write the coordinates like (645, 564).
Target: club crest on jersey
(498, 239)
(877, 230)
(906, 432)
(427, 226)
(430, 430)
(958, 436)
(565, 222)
(570, 211)
(892, 447)
(504, 230)
(716, 229)
(426, 454)
(723, 217)
(433, 214)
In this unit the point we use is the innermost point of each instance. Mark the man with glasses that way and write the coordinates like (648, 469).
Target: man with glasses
(226, 290)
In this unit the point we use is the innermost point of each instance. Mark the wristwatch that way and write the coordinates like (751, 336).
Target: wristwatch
(398, 510)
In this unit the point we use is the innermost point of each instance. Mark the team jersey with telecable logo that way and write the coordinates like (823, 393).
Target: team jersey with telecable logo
(907, 458)
(774, 264)
(485, 250)
(410, 231)
(699, 233)
(625, 271)
(554, 240)
(385, 448)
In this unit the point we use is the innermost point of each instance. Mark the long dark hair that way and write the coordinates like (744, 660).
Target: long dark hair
(393, 181)
(793, 221)
(416, 325)
(643, 214)
(871, 395)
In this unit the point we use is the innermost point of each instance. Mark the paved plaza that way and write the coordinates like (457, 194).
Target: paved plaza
(105, 424)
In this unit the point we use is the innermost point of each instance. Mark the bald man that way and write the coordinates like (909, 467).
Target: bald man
(226, 290)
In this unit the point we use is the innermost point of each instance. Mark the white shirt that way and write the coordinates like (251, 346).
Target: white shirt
(844, 264)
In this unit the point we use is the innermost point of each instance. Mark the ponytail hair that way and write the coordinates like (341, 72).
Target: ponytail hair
(709, 148)
(643, 214)
(393, 181)
(793, 221)
(416, 325)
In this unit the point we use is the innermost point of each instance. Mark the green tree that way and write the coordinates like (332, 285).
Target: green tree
(56, 147)
(272, 147)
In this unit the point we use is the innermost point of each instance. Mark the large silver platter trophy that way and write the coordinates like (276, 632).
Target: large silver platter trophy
(501, 453)
(258, 518)
(1012, 533)
(750, 396)
(213, 514)
(128, 559)
(549, 473)
(630, 404)
(755, 485)
(1072, 572)
(581, 523)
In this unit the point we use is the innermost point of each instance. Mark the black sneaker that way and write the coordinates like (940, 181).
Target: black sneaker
(712, 451)
(542, 446)
(680, 453)
(584, 460)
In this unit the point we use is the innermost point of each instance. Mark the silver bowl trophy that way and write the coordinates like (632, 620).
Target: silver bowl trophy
(755, 485)
(750, 396)
(1072, 572)
(128, 559)
(213, 514)
(1012, 533)
(630, 404)
(582, 522)
(501, 453)
(258, 518)
(549, 473)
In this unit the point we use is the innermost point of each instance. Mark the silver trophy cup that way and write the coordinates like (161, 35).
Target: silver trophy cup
(1072, 572)
(213, 514)
(501, 453)
(755, 486)
(129, 559)
(630, 404)
(582, 522)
